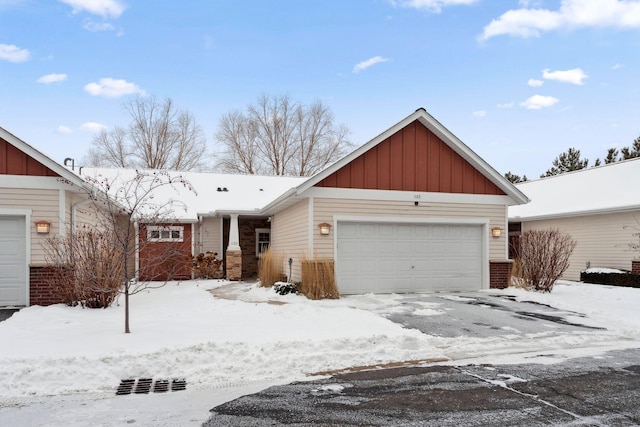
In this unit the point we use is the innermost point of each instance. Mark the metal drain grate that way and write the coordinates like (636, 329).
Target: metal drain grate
(147, 385)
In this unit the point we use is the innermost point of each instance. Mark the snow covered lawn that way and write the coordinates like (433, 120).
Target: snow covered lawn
(249, 338)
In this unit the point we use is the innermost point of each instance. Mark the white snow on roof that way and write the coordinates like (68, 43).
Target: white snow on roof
(211, 191)
(605, 188)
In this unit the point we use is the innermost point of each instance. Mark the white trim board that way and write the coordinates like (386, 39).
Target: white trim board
(407, 196)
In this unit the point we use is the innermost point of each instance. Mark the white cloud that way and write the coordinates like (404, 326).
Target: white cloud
(93, 126)
(434, 6)
(52, 78)
(479, 113)
(617, 67)
(104, 8)
(64, 129)
(12, 53)
(94, 27)
(527, 22)
(535, 83)
(506, 105)
(574, 76)
(368, 63)
(113, 88)
(538, 102)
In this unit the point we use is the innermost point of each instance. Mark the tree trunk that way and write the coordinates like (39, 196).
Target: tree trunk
(126, 309)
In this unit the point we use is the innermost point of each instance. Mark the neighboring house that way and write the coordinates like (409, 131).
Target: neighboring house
(38, 198)
(599, 207)
(412, 210)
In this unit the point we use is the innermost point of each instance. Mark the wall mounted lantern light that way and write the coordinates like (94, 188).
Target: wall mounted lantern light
(325, 228)
(496, 231)
(43, 227)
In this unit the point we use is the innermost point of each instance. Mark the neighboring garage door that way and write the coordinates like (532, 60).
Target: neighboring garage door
(398, 257)
(13, 261)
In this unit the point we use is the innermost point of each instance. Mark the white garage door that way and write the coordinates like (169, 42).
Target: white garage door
(393, 257)
(13, 261)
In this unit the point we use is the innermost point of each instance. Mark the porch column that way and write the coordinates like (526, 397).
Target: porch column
(234, 252)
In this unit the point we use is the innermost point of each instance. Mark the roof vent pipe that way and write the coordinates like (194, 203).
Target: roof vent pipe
(67, 160)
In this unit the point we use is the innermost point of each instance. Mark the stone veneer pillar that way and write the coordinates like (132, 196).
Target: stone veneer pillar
(499, 273)
(234, 252)
(635, 266)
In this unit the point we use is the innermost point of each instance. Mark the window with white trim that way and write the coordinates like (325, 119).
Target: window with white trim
(263, 239)
(169, 233)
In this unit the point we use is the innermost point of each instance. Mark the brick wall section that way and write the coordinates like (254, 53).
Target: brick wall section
(40, 286)
(635, 266)
(234, 265)
(499, 274)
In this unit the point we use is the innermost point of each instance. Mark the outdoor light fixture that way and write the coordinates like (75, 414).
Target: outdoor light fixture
(43, 227)
(325, 228)
(496, 231)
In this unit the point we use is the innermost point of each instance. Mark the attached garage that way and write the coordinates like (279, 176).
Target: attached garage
(13, 261)
(387, 257)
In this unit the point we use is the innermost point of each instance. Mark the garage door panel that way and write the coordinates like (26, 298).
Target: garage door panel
(13, 261)
(408, 257)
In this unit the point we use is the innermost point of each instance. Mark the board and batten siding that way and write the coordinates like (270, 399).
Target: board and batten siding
(324, 210)
(210, 235)
(602, 239)
(290, 237)
(44, 205)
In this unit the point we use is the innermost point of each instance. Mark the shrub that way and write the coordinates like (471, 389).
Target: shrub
(544, 256)
(284, 288)
(270, 269)
(318, 279)
(206, 265)
(88, 266)
(628, 279)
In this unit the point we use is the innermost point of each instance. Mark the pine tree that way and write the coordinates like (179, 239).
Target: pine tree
(612, 156)
(633, 152)
(567, 162)
(514, 179)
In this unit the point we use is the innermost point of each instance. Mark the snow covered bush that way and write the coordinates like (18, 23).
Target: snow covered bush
(544, 257)
(284, 288)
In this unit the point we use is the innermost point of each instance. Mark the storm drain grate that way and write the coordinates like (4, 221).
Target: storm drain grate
(147, 385)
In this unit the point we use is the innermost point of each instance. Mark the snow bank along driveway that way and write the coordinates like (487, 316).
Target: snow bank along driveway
(183, 331)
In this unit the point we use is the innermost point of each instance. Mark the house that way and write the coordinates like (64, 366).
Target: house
(38, 198)
(599, 207)
(412, 210)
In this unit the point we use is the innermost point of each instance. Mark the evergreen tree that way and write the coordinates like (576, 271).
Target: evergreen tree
(567, 162)
(612, 156)
(514, 179)
(633, 152)
(597, 162)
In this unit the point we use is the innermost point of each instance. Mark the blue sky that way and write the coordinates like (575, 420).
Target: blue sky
(518, 81)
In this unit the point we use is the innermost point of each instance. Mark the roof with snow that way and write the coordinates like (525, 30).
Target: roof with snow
(602, 189)
(211, 193)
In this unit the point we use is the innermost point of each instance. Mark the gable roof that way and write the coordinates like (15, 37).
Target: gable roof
(40, 157)
(602, 189)
(421, 115)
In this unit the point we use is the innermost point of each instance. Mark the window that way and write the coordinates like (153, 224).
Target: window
(263, 239)
(173, 233)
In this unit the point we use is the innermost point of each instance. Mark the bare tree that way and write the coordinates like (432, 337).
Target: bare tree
(160, 136)
(98, 258)
(280, 137)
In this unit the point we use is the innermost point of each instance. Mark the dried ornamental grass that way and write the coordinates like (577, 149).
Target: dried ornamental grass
(270, 268)
(318, 279)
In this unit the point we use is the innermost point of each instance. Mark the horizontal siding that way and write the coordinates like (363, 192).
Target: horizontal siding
(290, 236)
(44, 206)
(324, 210)
(210, 235)
(602, 239)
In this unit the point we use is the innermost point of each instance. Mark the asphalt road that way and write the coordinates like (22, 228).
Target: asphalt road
(589, 391)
